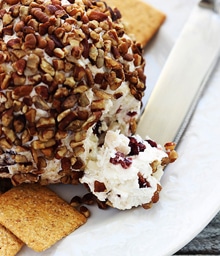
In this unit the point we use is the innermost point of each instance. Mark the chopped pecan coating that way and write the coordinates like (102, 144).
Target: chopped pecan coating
(61, 65)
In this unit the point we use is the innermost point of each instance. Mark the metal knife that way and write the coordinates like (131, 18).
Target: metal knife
(182, 80)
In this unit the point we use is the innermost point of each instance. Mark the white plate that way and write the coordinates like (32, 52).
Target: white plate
(191, 193)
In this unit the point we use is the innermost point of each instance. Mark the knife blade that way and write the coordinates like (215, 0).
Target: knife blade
(183, 78)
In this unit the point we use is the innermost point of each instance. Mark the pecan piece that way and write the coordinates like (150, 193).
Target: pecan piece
(70, 82)
(48, 153)
(3, 98)
(85, 211)
(12, 2)
(75, 201)
(14, 43)
(33, 62)
(22, 177)
(47, 67)
(39, 102)
(34, 24)
(79, 136)
(19, 66)
(10, 135)
(155, 197)
(18, 79)
(61, 151)
(45, 122)
(69, 102)
(59, 53)
(83, 100)
(98, 105)
(46, 134)
(19, 53)
(39, 15)
(50, 47)
(22, 91)
(30, 41)
(42, 91)
(113, 64)
(30, 115)
(96, 15)
(92, 120)
(58, 64)
(37, 144)
(6, 19)
(93, 52)
(8, 30)
(5, 144)
(65, 118)
(65, 164)
(99, 186)
(4, 80)
(19, 123)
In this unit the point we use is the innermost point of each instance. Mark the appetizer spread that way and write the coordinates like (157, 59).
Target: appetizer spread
(71, 85)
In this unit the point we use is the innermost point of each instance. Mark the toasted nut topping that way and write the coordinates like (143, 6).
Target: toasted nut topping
(85, 211)
(32, 62)
(61, 152)
(170, 146)
(39, 15)
(10, 135)
(4, 80)
(75, 201)
(98, 105)
(173, 156)
(98, 16)
(147, 205)
(43, 144)
(99, 186)
(6, 19)
(19, 66)
(88, 199)
(24, 177)
(45, 122)
(14, 43)
(47, 68)
(30, 41)
(60, 67)
(12, 2)
(5, 144)
(40, 103)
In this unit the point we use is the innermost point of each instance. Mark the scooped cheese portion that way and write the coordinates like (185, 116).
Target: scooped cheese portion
(125, 171)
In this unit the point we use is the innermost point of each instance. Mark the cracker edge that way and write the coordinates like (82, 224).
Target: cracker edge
(4, 220)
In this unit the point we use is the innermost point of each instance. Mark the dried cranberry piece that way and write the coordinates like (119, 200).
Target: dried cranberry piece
(143, 183)
(131, 114)
(135, 146)
(126, 162)
(96, 128)
(120, 158)
(152, 143)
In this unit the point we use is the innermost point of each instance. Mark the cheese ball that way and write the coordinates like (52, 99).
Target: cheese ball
(68, 72)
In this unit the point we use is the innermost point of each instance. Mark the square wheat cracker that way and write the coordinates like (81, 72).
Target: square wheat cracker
(38, 216)
(140, 19)
(10, 245)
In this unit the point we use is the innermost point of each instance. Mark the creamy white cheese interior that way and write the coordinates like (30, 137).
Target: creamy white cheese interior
(115, 174)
